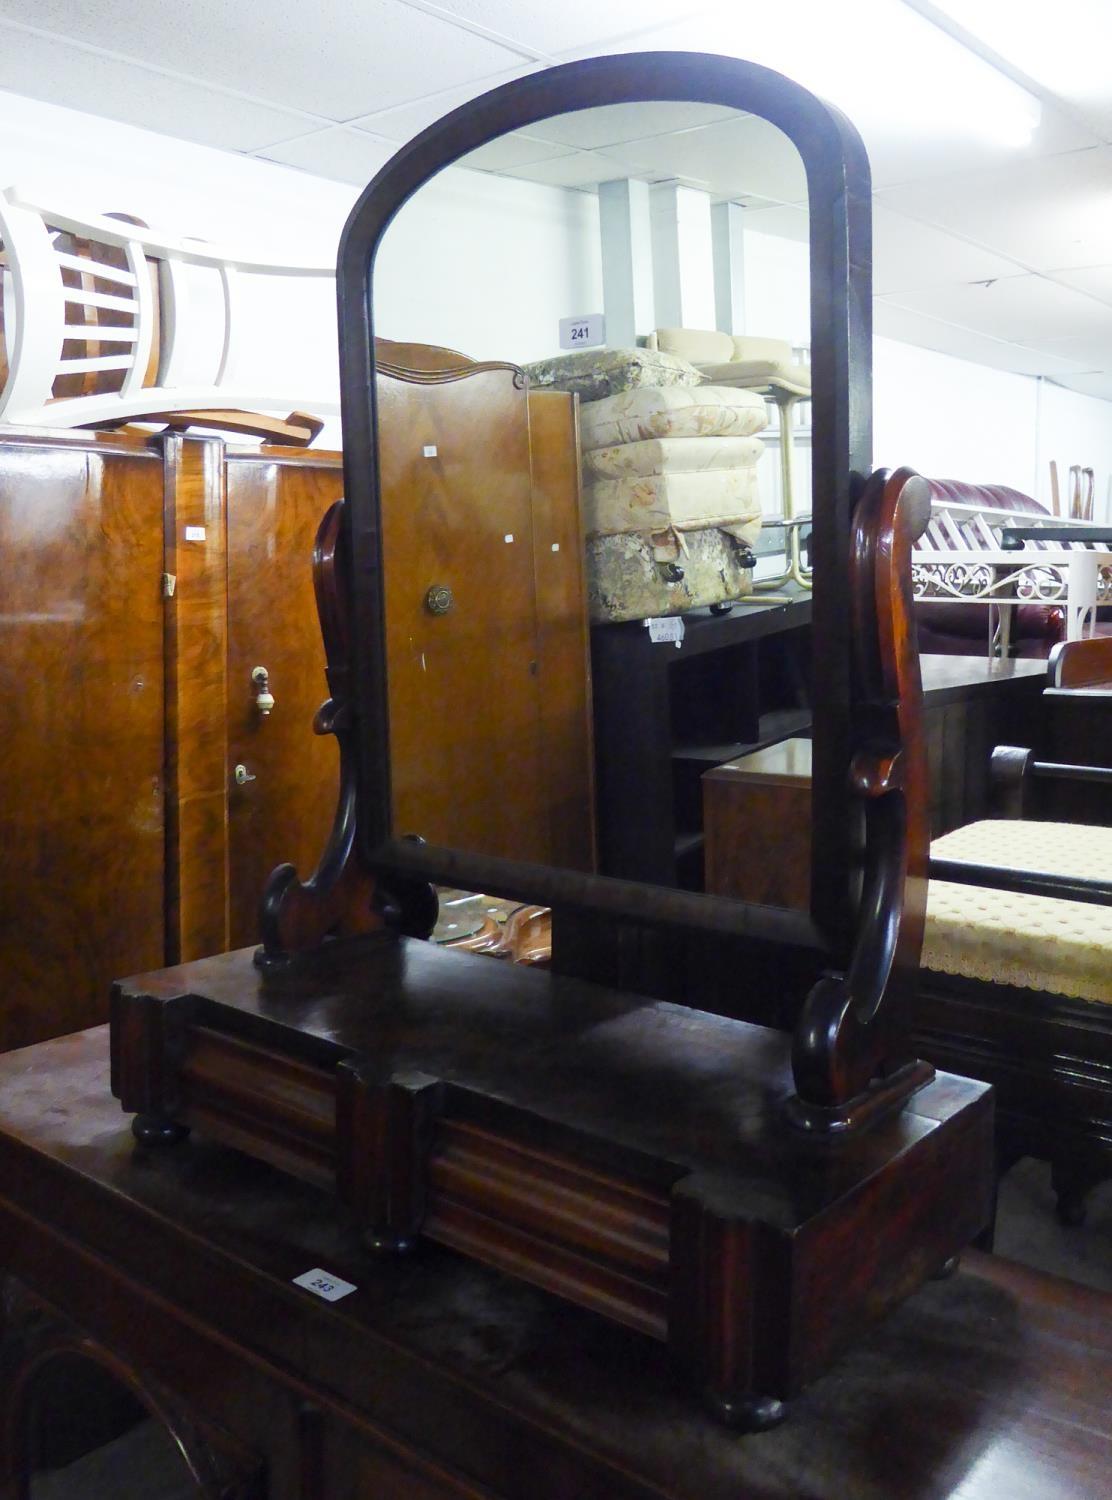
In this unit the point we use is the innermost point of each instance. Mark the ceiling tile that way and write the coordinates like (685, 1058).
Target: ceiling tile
(1065, 51)
(610, 124)
(733, 158)
(580, 169)
(1021, 309)
(910, 327)
(514, 150)
(570, 26)
(58, 73)
(1088, 385)
(1049, 214)
(900, 156)
(342, 154)
(342, 59)
(404, 121)
(909, 256)
(1096, 280)
(1093, 352)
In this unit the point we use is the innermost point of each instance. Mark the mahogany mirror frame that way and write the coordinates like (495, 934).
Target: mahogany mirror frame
(839, 191)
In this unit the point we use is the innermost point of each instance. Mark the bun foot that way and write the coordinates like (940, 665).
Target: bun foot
(745, 1412)
(154, 1130)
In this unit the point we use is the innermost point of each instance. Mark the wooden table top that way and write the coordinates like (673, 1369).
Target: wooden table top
(997, 1383)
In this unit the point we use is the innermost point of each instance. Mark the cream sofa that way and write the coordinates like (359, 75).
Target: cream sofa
(736, 359)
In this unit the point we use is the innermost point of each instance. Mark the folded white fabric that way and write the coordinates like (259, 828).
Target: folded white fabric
(726, 498)
(687, 455)
(671, 412)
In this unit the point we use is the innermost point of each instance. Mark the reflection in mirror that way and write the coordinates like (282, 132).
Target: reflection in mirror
(85, 1436)
(646, 266)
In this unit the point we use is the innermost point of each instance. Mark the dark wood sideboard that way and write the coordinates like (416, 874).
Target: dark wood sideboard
(438, 1378)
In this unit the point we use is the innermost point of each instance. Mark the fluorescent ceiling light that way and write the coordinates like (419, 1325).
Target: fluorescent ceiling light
(1065, 47)
(892, 71)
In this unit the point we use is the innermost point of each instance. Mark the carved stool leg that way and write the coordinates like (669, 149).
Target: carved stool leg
(156, 1130)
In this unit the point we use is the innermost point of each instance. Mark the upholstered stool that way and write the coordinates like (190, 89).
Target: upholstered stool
(1005, 937)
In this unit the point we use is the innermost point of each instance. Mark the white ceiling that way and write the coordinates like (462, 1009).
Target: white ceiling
(985, 251)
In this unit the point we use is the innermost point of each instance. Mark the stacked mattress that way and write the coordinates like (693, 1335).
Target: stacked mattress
(671, 507)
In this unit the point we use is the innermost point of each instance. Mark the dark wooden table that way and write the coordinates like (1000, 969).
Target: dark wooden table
(438, 1378)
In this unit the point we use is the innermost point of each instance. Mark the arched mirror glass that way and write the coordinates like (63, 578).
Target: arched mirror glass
(605, 351)
(652, 462)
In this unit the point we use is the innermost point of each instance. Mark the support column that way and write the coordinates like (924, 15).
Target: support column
(683, 263)
(728, 250)
(627, 269)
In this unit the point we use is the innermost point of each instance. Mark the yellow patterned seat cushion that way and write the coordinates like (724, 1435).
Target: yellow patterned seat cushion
(725, 498)
(1034, 942)
(687, 455)
(671, 412)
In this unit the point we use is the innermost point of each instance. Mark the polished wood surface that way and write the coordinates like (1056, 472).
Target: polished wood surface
(276, 500)
(464, 756)
(563, 633)
(633, 1157)
(489, 696)
(1082, 664)
(196, 617)
(81, 699)
(437, 1377)
(757, 817)
(125, 682)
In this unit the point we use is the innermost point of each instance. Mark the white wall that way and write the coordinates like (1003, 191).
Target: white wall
(946, 417)
(467, 259)
(1075, 429)
(489, 265)
(951, 419)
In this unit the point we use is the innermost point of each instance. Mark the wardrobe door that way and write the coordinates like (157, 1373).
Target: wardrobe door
(463, 668)
(81, 702)
(563, 635)
(282, 778)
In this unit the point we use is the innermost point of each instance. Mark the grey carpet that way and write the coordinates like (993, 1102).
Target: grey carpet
(1027, 1228)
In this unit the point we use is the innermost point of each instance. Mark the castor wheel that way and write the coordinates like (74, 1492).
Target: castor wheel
(746, 1411)
(723, 607)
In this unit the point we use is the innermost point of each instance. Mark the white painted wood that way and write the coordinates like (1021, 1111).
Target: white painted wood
(36, 345)
(104, 273)
(115, 232)
(96, 362)
(88, 411)
(100, 334)
(36, 299)
(145, 318)
(228, 281)
(99, 299)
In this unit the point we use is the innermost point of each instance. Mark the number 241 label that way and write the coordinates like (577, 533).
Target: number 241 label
(582, 333)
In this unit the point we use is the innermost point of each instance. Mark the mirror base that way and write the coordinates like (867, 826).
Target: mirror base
(626, 1155)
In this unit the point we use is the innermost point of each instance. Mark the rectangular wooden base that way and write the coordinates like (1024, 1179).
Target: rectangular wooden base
(630, 1156)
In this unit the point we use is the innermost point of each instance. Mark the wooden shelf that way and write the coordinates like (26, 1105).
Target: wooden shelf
(777, 724)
